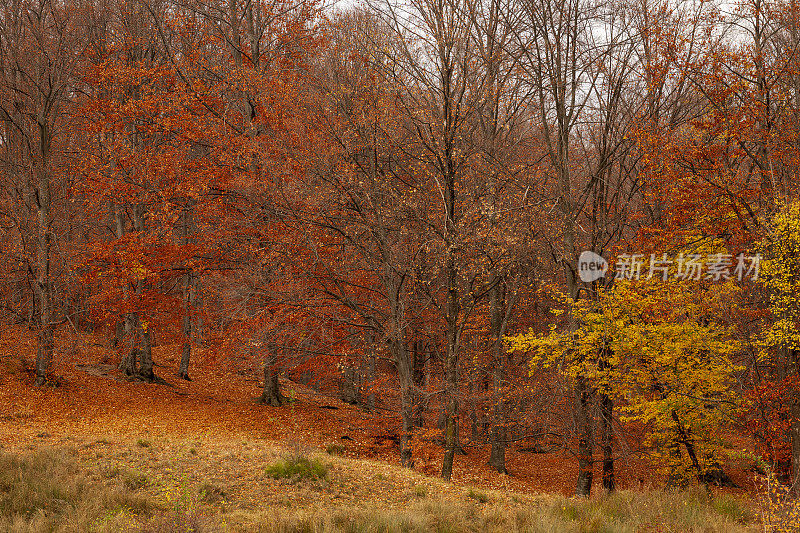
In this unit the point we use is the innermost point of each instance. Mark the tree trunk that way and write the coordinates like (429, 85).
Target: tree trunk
(420, 366)
(404, 364)
(123, 327)
(142, 328)
(146, 354)
(188, 286)
(585, 439)
(371, 378)
(33, 314)
(450, 439)
(271, 394)
(451, 373)
(128, 362)
(497, 457)
(350, 385)
(405, 371)
(118, 336)
(186, 353)
(685, 438)
(44, 284)
(607, 441)
(186, 349)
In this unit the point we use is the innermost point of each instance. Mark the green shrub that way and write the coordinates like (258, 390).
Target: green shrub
(298, 468)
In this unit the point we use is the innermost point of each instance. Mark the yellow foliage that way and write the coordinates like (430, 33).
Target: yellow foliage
(779, 273)
(780, 510)
(653, 348)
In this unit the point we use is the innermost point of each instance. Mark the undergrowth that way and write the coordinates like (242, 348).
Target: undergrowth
(54, 490)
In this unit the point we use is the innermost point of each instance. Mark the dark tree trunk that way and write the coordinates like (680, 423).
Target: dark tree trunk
(451, 371)
(186, 349)
(607, 441)
(403, 360)
(188, 286)
(688, 442)
(473, 395)
(350, 386)
(585, 439)
(450, 438)
(271, 394)
(33, 309)
(44, 284)
(371, 381)
(473, 412)
(186, 354)
(118, 337)
(497, 457)
(130, 359)
(146, 355)
(369, 370)
(128, 362)
(44, 355)
(404, 371)
(123, 328)
(142, 328)
(420, 368)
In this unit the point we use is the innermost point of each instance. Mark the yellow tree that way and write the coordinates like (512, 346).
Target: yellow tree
(655, 350)
(780, 273)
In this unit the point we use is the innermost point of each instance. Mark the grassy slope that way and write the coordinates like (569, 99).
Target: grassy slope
(165, 458)
(211, 484)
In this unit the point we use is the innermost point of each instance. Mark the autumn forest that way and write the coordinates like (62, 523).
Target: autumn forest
(490, 227)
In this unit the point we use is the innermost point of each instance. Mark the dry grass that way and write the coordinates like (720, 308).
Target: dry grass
(102, 486)
(48, 490)
(623, 512)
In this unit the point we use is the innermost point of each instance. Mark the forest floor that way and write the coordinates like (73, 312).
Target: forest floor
(206, 447)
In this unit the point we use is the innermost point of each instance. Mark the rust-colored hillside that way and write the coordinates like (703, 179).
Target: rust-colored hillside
(94, 400)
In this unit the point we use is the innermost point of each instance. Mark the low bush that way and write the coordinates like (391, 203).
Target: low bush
(298, 468)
